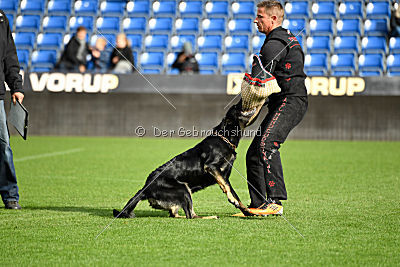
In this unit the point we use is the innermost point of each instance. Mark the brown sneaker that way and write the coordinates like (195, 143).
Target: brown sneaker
(12, 205)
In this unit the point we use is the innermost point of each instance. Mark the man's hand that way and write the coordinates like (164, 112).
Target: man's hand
(19, 96)
(82, 68)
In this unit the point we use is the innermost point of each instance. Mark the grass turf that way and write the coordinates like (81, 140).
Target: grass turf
(343, 197)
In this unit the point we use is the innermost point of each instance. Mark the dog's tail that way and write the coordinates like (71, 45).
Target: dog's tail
(127, 211)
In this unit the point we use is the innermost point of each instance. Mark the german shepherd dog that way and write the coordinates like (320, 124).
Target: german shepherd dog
(171, 185)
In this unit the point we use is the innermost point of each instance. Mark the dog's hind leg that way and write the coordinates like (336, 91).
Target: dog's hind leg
(173, 212)
(188, 206)
(127, 211)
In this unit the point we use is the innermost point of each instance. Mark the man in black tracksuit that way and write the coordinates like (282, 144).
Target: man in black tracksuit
(281, 55)
(9, 73)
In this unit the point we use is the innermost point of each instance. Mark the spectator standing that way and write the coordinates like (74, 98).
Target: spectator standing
(122, 61)
(185, 62)
(75, 52)
(9, 73)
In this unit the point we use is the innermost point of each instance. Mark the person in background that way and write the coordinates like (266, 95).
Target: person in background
(75, 52)
(185, 61)
(99, 56)
(9, 73)
(122, 61)
(395, 22)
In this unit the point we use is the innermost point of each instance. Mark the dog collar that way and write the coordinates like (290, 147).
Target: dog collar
(226, 140)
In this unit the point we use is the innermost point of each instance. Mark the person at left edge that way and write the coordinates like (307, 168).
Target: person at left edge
(9, 73)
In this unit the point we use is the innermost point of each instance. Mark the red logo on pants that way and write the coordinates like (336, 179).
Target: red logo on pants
(271, 183)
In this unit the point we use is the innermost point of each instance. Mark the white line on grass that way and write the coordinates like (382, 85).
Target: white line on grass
(263, 197)
(46, 155)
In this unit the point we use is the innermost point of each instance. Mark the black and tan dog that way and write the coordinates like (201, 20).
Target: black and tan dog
(170, 186)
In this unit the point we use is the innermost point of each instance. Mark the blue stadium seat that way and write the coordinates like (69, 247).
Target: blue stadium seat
(9, 6)
(351, 9)
(214, 25)
(346, 44)
(234, 61)
(319, 44)
(229, 71)
(348, 27)
(32, 7)
(343, 62)
(135, 40)
(237, 43)
(153, 60)
(157, 25)
(315, 73)
(55, 23)
(108, 24)
(85, 21)
(40, 69)
(44, 58)
(138, 8)
(187, 25)
(28, 23)
(324, 9)
(59, 7)
(191, 8)
(217, 9)
(321, 26)
(300, 40)
(297, 9)
(243, 9)
(257, 42)
(151, 71)
(369, 73)
(316, 62)
(156, 42)
(343, 73)
(209, 42)
(393, 63)
(177, 41)
(135, 25)
(25, 40)
(241, 26)
(207, 71)
(295, 25)
(172, 71)
(393, 73)
(115, 8)
(378, 9)
(23, 58)
(379, 27)
(394, 44)
(86, 7)
(51, 40)
(10, 18)
(164, 8)
(374, 44)
(370, 62)
(171, 59)
(207, 60)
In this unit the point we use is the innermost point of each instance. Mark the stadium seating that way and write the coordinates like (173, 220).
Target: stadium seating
(237, 43)
(23, 58)
(24, 40)
(28, 23)
(378, 9)
(319, 44)
(135, 41)
(32, 7)
(160, 25)
(316, 62)
(364, 73)
(236, 61)
(110, 38)
(343, 62)
(217, 9)
(152, 60)
(49, 40)
(157, 42)
(214, 25)
(86, 7)
(295, 25)
(240, 26)
(394, 44)
(85, 21)
(187, 25)
(393, 63)
(243, 9)
(370, 62)
(134, 24)
(191, 8)
(324, 9)
(207, 60)
(138, 8)
(209, 42)
(321, 27)
(297, 9)
(351, 9)
(379, 27)
(346, 44)
(343, 73)
(59, 7)
(177, 41)
(114, 8)
(164, 8)
(44, 58)
(348, 27)
(316, 72)
(55, 23)
(10, 18)
(108, 24)
(9, 6)
(257, 42)
(374, 44)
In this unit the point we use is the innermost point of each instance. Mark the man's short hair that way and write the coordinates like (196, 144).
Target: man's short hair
(81, 28)
(273, 7)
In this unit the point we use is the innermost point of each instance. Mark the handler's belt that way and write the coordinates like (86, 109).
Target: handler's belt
(256, 87)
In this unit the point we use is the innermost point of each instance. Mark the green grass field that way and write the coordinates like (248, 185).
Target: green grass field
(343, 197)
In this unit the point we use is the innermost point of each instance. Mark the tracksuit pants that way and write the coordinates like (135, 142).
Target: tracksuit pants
(263, 161)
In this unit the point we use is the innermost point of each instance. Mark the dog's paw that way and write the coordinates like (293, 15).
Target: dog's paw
(118, 214)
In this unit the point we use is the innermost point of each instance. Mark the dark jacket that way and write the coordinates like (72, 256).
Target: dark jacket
(126, 54)
(9, 67)
(69, 57)
(283, 56)
(189, 65)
